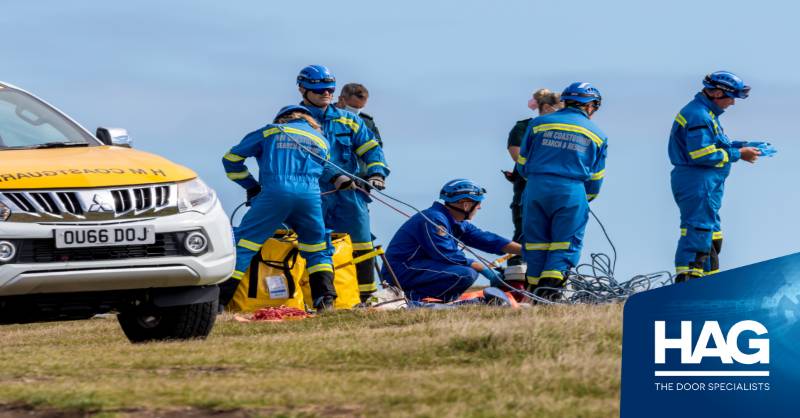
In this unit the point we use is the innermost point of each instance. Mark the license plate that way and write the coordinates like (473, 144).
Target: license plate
(105, 236)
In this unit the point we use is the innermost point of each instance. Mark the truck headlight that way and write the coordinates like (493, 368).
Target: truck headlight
(194, 195)
(5, 212)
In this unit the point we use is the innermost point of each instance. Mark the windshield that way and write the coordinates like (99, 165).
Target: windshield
(26, 122)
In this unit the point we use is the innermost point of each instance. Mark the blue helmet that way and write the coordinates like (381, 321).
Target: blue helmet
(582, 93)
(455, 190)
(728, 82)
(315, 77)
(291, 108)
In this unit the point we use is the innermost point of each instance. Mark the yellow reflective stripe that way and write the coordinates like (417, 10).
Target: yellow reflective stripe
(349, 122)
(367, 287)
(312, 248)
(250, 245)
(552, 274)
(559, 246)
(598, 175)
(702, 152)
(358, 246)
(319, 141)
(237, 275)
(683, 233)
(696, 272)
(320, 267)
(533, 246)
(681, 120)
(534, 280)
(570, 128)
(521, 160)
(725, 158)
(366, 147)
(591, 195)
(681, 269)
(714, 121)
(233, 157)
(716, 235)
(370, 165)
(712, 272)
(238, 176)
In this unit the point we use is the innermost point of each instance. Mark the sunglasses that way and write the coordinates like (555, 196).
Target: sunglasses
(322, 91)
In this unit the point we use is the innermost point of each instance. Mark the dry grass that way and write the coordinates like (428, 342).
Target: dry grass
(480, 362)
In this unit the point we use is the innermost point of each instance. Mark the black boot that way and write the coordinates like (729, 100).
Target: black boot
(227, 289)
(365, 272)
(549, 288)
(322, 291)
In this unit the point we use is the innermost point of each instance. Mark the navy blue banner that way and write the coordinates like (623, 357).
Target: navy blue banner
(725, 345)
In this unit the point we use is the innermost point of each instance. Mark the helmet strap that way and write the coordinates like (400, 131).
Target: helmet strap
(467, 213)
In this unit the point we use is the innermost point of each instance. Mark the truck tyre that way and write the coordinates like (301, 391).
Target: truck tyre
(172, 323)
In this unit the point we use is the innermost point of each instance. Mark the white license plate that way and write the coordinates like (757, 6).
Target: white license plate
(105, 236)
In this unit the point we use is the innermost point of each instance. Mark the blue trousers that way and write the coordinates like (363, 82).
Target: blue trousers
(347, 211)
(296, 205)
(698, 192)
(554, 217)
(432, 279)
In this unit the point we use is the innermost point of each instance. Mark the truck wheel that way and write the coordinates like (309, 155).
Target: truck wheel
(172, 323)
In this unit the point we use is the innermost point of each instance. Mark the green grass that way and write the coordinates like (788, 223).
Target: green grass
(476, 362)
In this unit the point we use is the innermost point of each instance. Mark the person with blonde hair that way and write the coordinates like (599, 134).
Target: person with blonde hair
(543, 101)
(291, 152)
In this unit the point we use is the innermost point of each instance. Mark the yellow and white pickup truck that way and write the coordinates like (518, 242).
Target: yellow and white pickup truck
(89, 225)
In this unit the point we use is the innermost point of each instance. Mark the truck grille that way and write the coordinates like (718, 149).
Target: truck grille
(92, 204)
(45, 251)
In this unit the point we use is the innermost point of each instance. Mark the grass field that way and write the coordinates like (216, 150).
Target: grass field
(478, 362)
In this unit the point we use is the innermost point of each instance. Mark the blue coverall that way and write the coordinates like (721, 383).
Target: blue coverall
(346, 210)
(290, 193)
(428, 262)
(563, 157)
(702, 155)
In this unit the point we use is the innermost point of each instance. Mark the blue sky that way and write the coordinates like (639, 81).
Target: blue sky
(447, 80)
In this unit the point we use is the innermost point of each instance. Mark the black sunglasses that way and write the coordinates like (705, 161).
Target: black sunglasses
(322, 91)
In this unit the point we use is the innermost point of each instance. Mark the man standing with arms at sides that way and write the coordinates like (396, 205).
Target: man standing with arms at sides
(354, 98)
(543, 101)
(352, 143)
(563, 157)
(702, 155)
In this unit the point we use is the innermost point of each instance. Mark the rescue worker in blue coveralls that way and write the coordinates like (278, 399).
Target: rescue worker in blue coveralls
(425, 258)
(563, 158)
(287, 192)
(702, 155)
(344, 201)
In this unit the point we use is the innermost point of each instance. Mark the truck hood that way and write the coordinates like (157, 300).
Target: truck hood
(101, 166)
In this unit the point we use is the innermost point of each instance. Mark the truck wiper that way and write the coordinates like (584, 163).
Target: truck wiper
(60, 145)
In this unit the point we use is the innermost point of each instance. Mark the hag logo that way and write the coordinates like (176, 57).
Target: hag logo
(713, 343)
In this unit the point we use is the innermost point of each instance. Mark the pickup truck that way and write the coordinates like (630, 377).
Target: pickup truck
(89, 226)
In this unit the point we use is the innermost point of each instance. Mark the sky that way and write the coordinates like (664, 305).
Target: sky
(447, 81)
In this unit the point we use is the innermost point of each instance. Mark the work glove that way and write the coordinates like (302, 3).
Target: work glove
(377, 181)
(492, 276)
(343, 183)
(251, 193)
(767, 150)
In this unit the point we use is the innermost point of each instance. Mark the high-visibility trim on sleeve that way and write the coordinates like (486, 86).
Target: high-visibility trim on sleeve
(362, 246)
(702, 152)
(349, 122)
(376, 164)
(238, 176)
(312, 248)
(681, 120)
(250, 245)
(569, 128)
(320, 267)
(237, 275)
(371, 287)
(319, 141)
(552, 274)
(598, 175)
(725, 158)
(233, 157)
(716, 235)
(521, 160)
(366, 147)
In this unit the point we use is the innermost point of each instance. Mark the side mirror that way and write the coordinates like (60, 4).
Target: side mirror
(114, 136)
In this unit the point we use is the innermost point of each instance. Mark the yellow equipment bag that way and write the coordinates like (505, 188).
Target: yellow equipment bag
(278, 269)
(344, 279)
